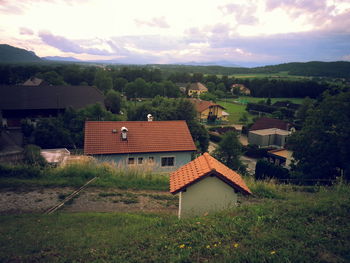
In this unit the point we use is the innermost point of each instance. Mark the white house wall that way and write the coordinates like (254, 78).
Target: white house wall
(208, 195)
(181, 158)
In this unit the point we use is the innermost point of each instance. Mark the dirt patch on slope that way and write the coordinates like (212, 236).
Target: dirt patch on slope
(38, 200)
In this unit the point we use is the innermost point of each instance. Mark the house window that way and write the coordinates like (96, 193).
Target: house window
(151, 159)
(140, 160)
(131, 160)
(168, 161)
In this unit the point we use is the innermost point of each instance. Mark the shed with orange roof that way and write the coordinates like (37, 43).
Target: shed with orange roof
(205, 185)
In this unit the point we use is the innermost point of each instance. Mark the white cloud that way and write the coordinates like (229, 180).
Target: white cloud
(180, 30)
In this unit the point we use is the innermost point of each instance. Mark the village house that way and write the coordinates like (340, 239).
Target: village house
(267, 123)
(240, 89)
(196, 89)
(34, 81)
(32, 102)
(268, 132)
(272, 137)
(158, 145)
(280, 157)
(206, 185)
(208, 111)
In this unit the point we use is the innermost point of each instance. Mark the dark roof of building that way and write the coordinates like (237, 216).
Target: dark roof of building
(286, 104)
(267, 123)
(104, 137)
(201, 105)
(48, 97)
(201, 167)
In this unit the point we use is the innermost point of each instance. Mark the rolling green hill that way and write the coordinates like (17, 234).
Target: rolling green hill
(9, 54)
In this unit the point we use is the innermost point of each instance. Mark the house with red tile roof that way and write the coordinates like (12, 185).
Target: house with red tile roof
(206, 185)
(209, 111)
(160, 145)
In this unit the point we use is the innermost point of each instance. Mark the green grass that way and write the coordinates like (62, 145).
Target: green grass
(236, 110)
(299, 227)
(273, 100)
(78, 174)
(279, 75)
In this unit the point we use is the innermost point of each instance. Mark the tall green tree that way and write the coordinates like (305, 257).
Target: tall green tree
(103, 81)
(303, 110)
(113, 101)
(322, 148)
(229, 151)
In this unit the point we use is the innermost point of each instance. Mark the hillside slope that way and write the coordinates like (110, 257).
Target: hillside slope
(10, 54)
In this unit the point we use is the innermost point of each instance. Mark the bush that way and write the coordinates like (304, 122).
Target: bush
(19, 171)
(214, 137)
(32, 155)
(266, 170)
(253, 151)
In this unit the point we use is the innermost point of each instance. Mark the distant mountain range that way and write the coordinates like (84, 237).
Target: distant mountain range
(57, 58)
(341, 69)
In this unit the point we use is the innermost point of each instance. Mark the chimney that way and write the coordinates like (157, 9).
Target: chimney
(149, 117)
(124, 133)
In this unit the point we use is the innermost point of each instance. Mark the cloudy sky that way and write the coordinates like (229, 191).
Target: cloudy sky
(242, 32)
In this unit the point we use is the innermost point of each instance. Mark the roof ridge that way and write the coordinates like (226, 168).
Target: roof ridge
(206, 155)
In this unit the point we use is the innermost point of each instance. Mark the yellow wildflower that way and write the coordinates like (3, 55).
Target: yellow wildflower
(208, 246)
(182, 246)
(235, 245)
(273, 252)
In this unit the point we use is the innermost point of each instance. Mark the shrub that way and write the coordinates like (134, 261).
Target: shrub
(32, 155)
(254, 151)
(19, 171)
(214, 137)
(265, 170)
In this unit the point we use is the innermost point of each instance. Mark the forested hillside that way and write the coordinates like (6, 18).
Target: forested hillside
(339, 69)
(9, 54)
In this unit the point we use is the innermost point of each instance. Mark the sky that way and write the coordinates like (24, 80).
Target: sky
(239, 32)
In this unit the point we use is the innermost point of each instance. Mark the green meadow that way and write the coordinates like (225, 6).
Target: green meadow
(236, 109)
(281, 223)
(277, 75)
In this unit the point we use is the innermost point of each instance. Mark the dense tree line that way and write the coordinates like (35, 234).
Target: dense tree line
(138, 81)
(276, 88)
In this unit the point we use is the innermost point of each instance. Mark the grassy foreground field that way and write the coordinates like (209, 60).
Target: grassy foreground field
(296, 224)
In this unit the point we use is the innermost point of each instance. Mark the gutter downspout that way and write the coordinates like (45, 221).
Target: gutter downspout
(180, 205)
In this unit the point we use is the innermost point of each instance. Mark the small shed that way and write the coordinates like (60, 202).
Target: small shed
(206, 185)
